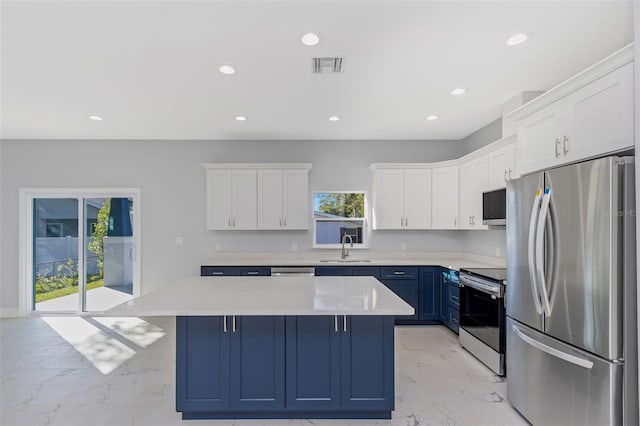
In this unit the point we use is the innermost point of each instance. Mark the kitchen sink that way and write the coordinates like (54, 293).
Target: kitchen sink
(345, 260)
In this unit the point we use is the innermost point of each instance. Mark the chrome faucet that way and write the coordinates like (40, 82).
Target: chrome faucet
(345, 252)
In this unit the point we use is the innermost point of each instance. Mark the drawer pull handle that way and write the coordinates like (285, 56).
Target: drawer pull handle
(456, 298)
(217, 273)
(399, 273)
(454, 320)
(252, 273)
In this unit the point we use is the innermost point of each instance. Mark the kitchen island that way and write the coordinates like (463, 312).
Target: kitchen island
(280, 347)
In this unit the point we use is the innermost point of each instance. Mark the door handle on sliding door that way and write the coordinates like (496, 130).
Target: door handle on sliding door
(531, 250)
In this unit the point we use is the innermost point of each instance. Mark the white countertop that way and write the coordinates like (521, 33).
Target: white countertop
(446, 260)
(268, 296)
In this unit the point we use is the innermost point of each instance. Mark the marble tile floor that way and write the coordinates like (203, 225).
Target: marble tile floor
(45, 380)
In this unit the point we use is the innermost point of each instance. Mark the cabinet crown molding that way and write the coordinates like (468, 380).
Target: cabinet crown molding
(297, 166)
(612, 62)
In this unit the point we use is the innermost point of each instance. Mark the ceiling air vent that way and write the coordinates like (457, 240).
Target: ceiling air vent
(327, 65)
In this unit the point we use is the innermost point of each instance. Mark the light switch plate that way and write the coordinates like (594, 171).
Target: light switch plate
(179, 240)
(294, 246)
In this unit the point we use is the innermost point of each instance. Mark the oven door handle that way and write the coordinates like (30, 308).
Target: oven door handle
(493, 291)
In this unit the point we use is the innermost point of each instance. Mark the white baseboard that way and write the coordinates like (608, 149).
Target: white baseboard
(9, 313)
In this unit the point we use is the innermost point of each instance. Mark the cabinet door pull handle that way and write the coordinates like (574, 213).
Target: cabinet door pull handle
(557, 143)
(564, 145)
(284, 222)
(456, 298)
(455, 221)
(401, 222)
(233, 323)
(505, 175)
(510, 174)
(224, 324)
(344, 323)
(406, 221)
(234, 222)
(454, 320)
(335, 323)
(229, 222)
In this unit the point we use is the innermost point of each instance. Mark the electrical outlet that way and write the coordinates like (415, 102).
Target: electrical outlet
(403, 246)
(218, 247)
(179, 240)
(294, 246)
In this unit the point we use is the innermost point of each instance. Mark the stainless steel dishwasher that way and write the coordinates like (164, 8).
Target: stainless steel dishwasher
(293, 271)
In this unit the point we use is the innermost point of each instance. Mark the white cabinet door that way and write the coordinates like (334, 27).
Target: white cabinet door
(466, 199)
(480, 183)
(600, 116)
(445, 197)
(296, 199)
(244, 188)
(270, 199)
(388, 209)
(417, 199)
(539, 138)
(219, 199)
(502, 167)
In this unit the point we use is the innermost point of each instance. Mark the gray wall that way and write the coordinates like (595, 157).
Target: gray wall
(173, 193)
(483, 136)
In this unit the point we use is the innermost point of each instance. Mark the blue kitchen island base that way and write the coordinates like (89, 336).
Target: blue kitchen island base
(374, 415)
(316, 366)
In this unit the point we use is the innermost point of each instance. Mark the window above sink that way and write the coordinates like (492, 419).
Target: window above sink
(339, 213)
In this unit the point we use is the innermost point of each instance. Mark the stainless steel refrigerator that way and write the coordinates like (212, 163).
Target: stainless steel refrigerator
(571, 295)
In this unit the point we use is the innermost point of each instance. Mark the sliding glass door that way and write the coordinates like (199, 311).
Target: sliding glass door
(82, 265)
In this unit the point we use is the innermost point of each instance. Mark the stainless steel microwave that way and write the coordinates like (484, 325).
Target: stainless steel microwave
(494, 207)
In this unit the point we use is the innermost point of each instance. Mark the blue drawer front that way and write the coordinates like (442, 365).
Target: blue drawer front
(454, 295)
(400, 272)
(215, 271)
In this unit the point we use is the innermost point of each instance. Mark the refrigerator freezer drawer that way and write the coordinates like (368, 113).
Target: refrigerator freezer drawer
(550, 382)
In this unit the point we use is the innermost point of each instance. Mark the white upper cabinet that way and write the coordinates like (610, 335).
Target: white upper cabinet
(417, 199)
(589, 115)
(402, 199)
(445, 197)
(296, 208)
(257, 196)
(231, 199)
(502, 166)
(474, 180)
(283, 199)
(270, 196)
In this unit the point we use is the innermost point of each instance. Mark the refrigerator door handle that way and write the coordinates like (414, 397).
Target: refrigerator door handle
(542, 220)
(531, 250)
(553, 351)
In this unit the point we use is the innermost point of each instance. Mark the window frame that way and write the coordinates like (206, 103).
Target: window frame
(365, 222)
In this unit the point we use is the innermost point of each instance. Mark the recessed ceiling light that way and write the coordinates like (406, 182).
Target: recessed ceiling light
(334, 118)
(310, 39)
(227, 69)
(95, 117)
(432, 117)
(517, 39)
(240, 118)
(458, 91)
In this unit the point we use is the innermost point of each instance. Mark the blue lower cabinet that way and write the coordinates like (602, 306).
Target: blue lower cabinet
(313, 363)
(320, 367)
(366, 271)
(367, 365)
(257, 363)
(218, 370)
(202, 364)
(409, 291)
(430, 280)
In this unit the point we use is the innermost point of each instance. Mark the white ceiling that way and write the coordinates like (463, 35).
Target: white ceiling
(150, 67)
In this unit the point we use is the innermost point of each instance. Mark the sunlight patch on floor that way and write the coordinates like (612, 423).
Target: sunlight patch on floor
(136, 330)
(104, 352)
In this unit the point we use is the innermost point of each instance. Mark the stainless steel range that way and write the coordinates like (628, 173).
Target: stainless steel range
(482, 315)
